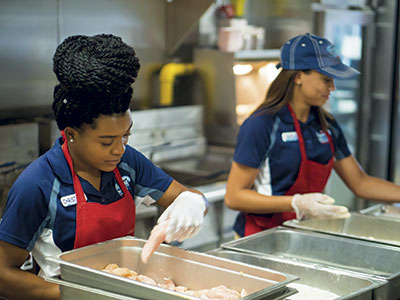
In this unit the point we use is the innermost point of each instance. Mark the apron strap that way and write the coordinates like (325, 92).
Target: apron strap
(299, 134)
(80, 196)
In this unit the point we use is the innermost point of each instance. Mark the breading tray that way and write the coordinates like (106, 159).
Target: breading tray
(346, 284)
(325, 250)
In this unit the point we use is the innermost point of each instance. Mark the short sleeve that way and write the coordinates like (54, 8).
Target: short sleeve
(253, 141)
(149, 180)
(25, 212)
(339, 140)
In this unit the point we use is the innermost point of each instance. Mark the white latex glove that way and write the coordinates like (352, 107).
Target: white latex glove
(185, 216)
(318, 206)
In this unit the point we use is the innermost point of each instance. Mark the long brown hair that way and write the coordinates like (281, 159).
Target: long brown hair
(280, 93)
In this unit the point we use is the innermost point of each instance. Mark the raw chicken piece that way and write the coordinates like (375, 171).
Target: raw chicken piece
(157, 236)
(217, 293)
(124, 272)
(110, 267)
(223, 293)
(145, 279)
(180, 289)
(167, 284)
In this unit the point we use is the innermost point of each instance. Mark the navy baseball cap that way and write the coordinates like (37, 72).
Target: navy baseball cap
(312, 52)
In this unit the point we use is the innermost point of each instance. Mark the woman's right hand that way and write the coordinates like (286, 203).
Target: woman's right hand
(318, 206)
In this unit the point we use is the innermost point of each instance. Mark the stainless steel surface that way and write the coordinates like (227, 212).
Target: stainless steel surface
(169, 133)
(345, 284)
(382, 211)
(28, 32)
(358, 226)
(31, 30)
(73, 291)
(182, 20)
(327, 250)
(190, 269)
(211, 166)
(281, 19)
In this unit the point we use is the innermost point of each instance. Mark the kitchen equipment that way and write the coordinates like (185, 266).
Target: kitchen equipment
(169, 132)
(325, 250)
(234, 84)
(346, 284)
(83, 266)
(73, 291)
(382, 211)
(358, 226)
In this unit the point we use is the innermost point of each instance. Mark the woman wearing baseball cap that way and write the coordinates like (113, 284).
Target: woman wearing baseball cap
(287, 148)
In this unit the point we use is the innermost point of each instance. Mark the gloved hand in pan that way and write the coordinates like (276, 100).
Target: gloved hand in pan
(318, 206)
(184, 216)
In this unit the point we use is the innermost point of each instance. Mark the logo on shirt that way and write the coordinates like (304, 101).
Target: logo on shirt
(322, 137)
(69, 200)
(126, 180)
(289, 136)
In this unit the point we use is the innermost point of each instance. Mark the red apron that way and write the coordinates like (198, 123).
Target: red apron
(97, 222)
(312, 178)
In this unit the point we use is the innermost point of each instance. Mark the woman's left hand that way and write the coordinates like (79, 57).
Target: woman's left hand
(184, 216)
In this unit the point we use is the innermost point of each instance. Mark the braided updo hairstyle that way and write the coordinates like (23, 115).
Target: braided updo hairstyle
(95, 75)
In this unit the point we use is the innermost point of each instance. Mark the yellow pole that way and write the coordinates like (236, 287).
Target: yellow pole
(239, 7)
(167, 76)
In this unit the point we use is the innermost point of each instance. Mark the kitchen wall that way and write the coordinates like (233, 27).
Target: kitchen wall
(30, 31)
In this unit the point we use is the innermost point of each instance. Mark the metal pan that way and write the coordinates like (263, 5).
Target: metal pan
(369, 228)
(325, 250)
(83, 266)
(382, 211)
(346, 284)
(73, 291)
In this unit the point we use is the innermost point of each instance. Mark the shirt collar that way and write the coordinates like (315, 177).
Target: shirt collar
(284, 115)
(59, 163)
(61, 168)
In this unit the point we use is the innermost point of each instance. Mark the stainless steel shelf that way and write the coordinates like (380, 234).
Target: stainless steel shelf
(258, 54)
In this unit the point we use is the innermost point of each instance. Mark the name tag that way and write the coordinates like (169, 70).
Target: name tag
(69, 200)
(290, 136)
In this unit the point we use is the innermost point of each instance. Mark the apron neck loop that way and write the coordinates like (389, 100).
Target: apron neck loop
(63, 136)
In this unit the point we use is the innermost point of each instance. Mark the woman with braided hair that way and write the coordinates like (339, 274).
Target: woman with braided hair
(85, 189)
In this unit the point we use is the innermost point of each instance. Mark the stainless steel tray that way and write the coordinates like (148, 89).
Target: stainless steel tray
(382, 211)
(194, 270)
(357, 226)
(73, 291)
(325, 250)
(346, 284)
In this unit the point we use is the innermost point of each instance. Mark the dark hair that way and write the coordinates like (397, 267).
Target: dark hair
(280, 93)
(95, 75)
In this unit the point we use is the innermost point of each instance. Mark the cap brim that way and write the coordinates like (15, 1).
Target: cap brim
(339, 71)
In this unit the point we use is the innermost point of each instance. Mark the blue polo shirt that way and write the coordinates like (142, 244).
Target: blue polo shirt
(40, 215)
(269, 143)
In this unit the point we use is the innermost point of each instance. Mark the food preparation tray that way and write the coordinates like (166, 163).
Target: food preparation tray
(357, 226)
(346, 284)
(83, 266)
(280, 243)
(382, 211)
(73, 291)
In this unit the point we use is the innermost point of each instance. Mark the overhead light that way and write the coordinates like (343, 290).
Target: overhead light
(269, 70)
(241, 69)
